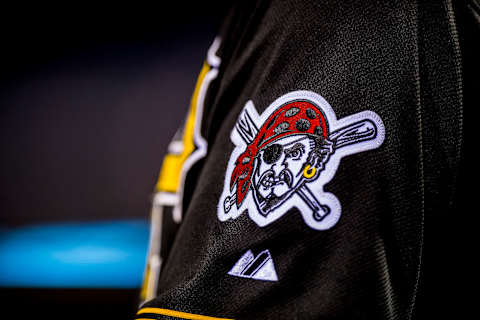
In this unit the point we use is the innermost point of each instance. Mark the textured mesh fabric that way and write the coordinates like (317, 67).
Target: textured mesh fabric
(384, 259)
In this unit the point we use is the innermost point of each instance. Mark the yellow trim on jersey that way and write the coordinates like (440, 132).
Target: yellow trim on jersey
(178, 314)
(144, 288)
(169, 178)
(171, 171)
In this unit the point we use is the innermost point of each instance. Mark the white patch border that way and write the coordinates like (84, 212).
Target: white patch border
(315, 186)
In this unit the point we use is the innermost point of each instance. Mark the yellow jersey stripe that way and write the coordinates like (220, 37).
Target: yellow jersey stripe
(178, 314)
(169, 178)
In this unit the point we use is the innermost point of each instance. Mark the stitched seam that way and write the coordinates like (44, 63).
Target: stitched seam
(458, 89)
(421, 166)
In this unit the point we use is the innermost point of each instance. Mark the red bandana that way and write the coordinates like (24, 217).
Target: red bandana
(298, 117)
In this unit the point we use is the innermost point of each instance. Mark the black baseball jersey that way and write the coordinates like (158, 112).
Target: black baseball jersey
(316, 175)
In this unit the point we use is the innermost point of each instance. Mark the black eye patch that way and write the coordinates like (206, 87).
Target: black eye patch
(272, 153)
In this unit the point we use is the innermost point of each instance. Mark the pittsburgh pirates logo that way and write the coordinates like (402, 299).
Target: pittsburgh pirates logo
(285, 156)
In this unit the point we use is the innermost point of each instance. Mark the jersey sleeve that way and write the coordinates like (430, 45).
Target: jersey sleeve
(321, 140)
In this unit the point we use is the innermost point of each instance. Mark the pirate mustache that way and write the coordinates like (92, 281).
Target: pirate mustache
(268, 179)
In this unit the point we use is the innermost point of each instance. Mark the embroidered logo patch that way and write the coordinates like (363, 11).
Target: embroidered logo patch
(258, 267)
(284, 157)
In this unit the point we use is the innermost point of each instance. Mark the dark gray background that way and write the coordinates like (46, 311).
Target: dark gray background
(89, 99)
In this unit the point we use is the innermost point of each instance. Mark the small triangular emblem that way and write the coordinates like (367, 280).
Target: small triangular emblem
(258, 267)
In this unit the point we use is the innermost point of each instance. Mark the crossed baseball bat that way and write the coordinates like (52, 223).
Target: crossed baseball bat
(360, 131)
(356, 132)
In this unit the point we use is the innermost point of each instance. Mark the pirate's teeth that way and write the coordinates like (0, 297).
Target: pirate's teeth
(268, 181)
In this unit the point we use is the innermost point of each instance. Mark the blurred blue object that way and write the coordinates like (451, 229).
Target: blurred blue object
(74, 255)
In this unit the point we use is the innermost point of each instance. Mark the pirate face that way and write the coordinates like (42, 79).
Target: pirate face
(279, 170)
(284, 157)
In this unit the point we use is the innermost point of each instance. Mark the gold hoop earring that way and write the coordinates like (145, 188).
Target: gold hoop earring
(309, 172)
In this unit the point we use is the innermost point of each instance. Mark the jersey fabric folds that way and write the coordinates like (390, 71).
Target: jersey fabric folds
(391, 79)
